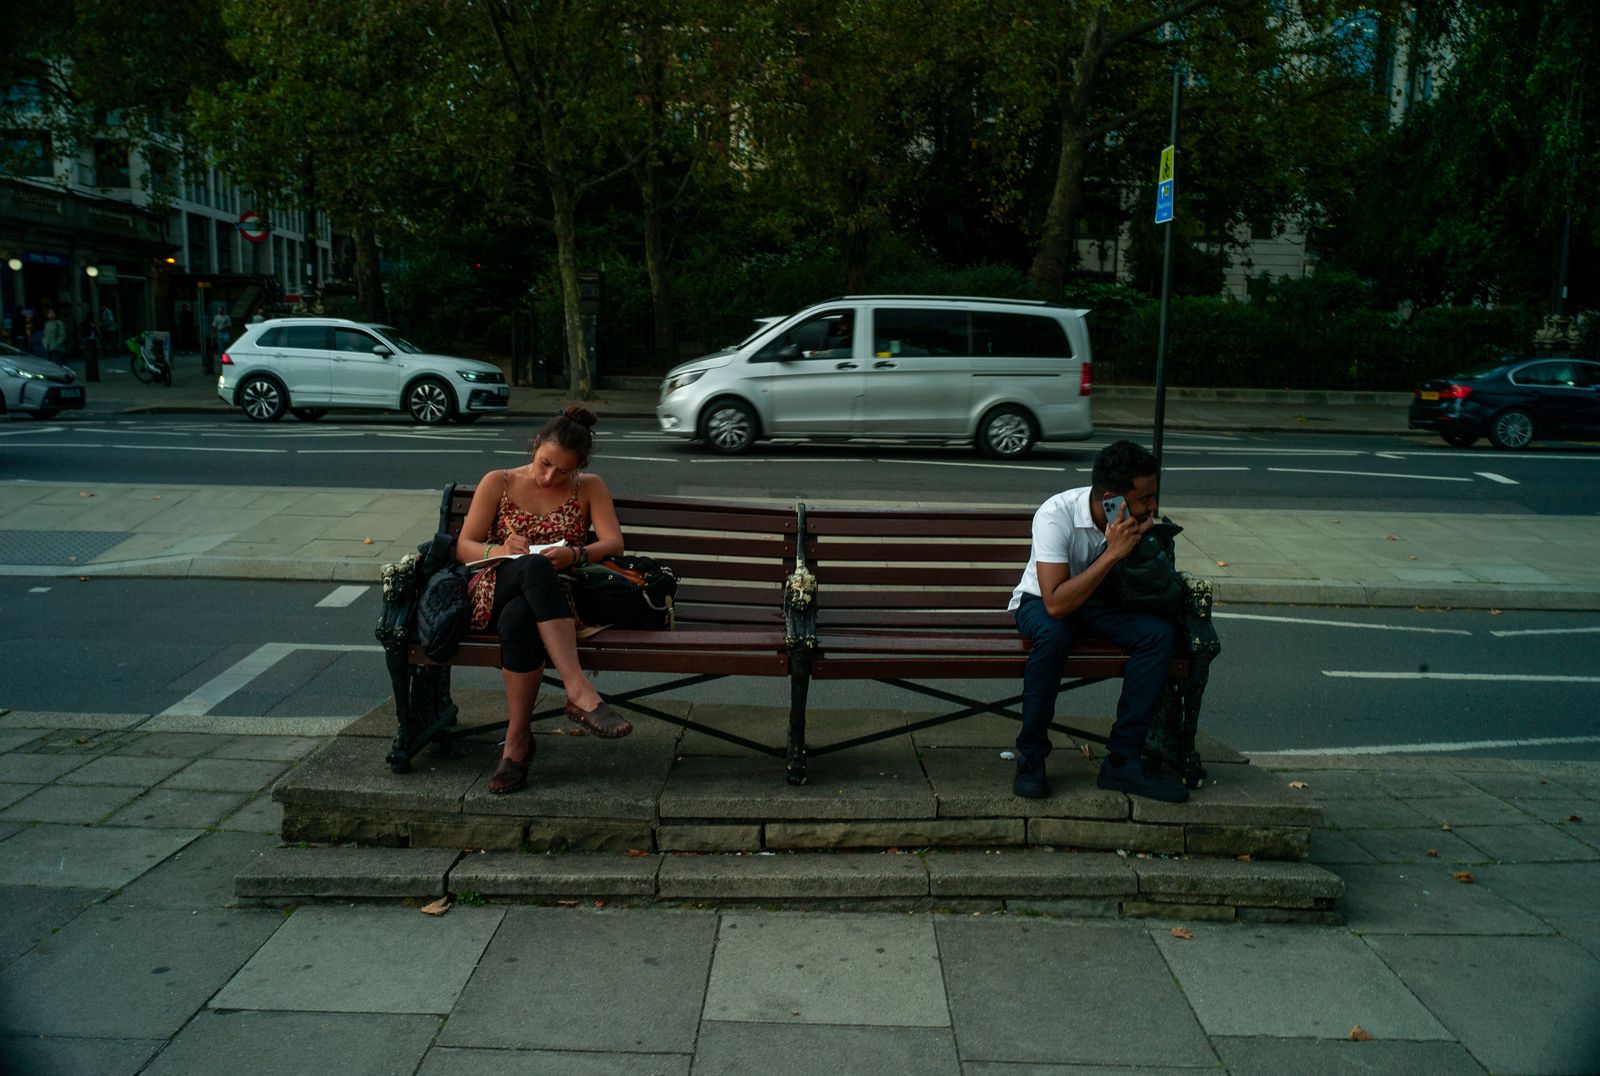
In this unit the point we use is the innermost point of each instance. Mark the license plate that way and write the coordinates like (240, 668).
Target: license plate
(72, 394)
(502, 391)
(1430, 395)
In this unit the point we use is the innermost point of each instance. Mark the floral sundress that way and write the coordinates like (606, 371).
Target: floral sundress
(565, 523)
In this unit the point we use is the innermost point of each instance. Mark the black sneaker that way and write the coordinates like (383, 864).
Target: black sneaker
(1137, 779)
(1030, 782)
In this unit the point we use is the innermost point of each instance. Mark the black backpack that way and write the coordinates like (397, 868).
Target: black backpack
(444, 611)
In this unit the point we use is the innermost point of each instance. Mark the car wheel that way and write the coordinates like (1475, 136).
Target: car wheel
(729, 427)
(1512, 428)
(1006, 433)
(429, 402)
(1460, 440)
(466, 419)
(309, 414)
(262, 399)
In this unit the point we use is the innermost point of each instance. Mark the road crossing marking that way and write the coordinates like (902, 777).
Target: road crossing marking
(1373, 474)
(1502, 479)
(1508, 678)
(1436, 748)
(342, 597)
(203, 699)
(38, 590)
(1339, 623)
(1545, 631)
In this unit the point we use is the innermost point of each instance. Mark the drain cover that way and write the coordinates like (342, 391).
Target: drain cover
(57, 547)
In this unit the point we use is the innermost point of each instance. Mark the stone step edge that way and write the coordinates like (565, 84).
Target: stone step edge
(1084, 883)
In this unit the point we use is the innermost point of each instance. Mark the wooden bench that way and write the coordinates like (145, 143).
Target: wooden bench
(898, 596)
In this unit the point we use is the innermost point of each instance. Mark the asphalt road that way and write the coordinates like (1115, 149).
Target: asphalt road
(1518, 685)
(1399, 473)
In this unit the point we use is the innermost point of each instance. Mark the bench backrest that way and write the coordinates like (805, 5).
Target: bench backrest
(731, 558)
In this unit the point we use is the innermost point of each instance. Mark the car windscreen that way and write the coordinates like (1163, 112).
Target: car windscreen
(399, 341)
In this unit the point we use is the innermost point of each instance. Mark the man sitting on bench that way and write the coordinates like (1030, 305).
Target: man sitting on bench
(1075, 547)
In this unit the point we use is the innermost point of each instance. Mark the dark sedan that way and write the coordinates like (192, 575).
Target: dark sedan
(1512, 403)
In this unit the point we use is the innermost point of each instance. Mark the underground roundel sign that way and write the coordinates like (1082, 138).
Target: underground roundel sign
(253, 226)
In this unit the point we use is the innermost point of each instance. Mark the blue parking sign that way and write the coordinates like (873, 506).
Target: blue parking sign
(1164, 202)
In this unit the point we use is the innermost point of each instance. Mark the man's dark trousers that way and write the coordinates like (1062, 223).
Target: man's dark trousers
(1148, 639)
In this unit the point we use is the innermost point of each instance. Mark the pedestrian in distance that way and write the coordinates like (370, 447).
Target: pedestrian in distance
(540, 515)
(55, 336)
(186, 325)
(221, 327)
(1076, 544)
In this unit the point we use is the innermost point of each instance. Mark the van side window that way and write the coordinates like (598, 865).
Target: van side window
(1019, 336)
(919, 332)
(311, 337)
(829, 335)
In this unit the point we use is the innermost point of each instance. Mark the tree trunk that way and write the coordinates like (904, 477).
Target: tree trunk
(565, 206)
(369, 279)
(655, 260)
(1058, 241)
(855, 258)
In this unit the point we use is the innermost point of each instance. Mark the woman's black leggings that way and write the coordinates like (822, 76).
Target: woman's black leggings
(526, 592)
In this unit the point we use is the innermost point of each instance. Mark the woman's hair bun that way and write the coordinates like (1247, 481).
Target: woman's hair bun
(581, 415)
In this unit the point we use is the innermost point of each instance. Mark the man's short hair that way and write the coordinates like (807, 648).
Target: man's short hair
(1120, 463)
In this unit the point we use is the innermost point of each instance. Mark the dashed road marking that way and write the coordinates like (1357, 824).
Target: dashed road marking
(203, 699)
(1500, 478)
(1545, 631)
(38, 590)
(1340, 623)
(1373, 474)
(1437, 748)
(1506, 678)
(342, 597)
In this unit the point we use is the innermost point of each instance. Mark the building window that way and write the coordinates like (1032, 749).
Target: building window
(26, 153)
(111, 165)
(163, 174)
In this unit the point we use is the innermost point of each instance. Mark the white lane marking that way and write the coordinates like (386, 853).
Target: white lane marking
(1500, 478)
(1389, 455)
(1507, 678)
(1545, 631)
(611, 456)
(204, 698)
(197, 448)
(59, 444)
(1438, 748)
(1340, 623)
(342, 597)
(376, 451)
(1208, 469)
(38, 590)
(1252, 451)
(1373, 474)
(32, 429)
(957, 463)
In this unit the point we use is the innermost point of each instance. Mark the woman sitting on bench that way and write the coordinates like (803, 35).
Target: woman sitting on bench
(548, 502)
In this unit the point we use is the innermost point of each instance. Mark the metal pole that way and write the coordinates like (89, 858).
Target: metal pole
(1166, 283)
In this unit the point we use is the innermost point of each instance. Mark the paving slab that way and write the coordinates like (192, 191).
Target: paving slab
(199, 875)
(1411, 784)
(733, 1049)
(363, 959)
(1331, 784)
(784, 876)
(166, 808)
(976, 783)
(1426, 899)
(1029, 874)
(1411, 844)
(827, 969)
(770, 724)
(81, 804)
(31, 914)
(1519, 786)
(579, 777)
(11, 793)
(1477, 809)
(1274, 1057)
(280, 873)
(1297, 884)
(128, 973)
(1580, 932)
(349, 774)
(463, 1061)
(260, 815)
(511, 874)
(226, 775)
(32, 768)
(650, 969)
(1292, 982)
(190, 745)
(78, 857)
(1548, 890)
(1237, 795)
(1332, 847)
(293, 1044)
(1379, 813)
(1085, 978)
(1522, 1005)
(1535, 843)
(881, 780)
(270, 748)
(81, 1057)
(141, 771)
(13, 738)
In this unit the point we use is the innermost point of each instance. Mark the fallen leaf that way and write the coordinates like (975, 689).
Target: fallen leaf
(1086, 751)
(1412, 557)
(1574, 818)
(1245, 857)
(1464, 877)
(438, 907)
(1433, 853)
(1183, 932)
(83, 579)
(568, 903)
(637, 852)
(794, 1012)
(1222, 564)
(1446, 827)
(155, 498)
(1390, 538)
(599, 904)
(1298, 784)
(1494, 612)
(367, 541)
(86, 494)
(1360, 1034)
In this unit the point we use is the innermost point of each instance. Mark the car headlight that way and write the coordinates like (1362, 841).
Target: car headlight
(681, 381)
(484, 376)
(17, 371)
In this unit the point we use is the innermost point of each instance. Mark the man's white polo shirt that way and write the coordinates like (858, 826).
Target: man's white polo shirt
(1064, 532)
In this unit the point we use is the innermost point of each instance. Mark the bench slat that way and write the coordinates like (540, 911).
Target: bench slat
(916, 576)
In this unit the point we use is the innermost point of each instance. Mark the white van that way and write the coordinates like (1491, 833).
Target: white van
(1002, 373)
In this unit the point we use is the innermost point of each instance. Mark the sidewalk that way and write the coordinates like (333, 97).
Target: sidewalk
(1469, 945)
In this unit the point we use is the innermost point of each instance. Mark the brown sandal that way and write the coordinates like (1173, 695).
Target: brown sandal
(510, 775)
(602, 721)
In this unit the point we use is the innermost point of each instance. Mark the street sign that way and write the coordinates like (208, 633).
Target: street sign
(1164, 179)
(253, 226)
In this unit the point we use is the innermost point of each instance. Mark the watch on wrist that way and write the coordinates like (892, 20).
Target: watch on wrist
(580, 554)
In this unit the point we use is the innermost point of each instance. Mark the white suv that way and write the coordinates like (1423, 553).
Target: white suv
(306, 366)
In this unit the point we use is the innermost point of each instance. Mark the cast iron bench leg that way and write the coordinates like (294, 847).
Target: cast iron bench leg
(799, 684)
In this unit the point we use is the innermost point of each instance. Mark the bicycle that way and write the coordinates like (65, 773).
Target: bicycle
(149, 360)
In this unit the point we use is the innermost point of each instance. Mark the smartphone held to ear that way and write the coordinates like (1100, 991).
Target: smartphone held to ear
(1113, 509)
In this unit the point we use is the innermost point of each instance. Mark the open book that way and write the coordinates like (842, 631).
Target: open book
(533, 551)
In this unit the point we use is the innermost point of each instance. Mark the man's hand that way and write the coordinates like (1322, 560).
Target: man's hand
(1123, 534)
